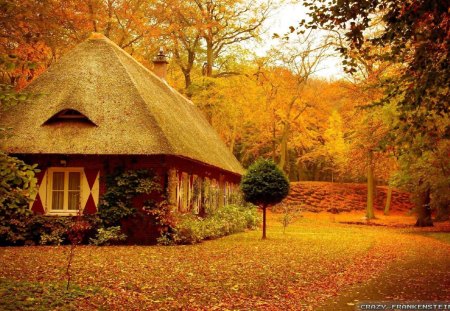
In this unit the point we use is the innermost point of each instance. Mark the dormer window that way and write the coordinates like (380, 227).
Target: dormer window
(69, 115)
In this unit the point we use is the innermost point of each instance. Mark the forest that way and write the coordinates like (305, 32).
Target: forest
(386, 121)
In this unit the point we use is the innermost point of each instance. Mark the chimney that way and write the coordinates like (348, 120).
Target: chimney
(160, 64)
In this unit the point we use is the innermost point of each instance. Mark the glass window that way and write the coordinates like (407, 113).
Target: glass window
(74, 190)
(65, 189)
(58, 191)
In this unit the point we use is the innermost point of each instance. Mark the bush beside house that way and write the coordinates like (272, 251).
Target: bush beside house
(230, 219)
(129, 198)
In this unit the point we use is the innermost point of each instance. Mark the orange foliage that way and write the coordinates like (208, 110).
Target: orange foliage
(342, 197)
(314, 265)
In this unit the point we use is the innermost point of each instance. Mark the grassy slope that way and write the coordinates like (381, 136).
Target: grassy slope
(316, 263)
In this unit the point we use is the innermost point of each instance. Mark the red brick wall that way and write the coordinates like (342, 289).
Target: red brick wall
(107, 164)
(160, 164)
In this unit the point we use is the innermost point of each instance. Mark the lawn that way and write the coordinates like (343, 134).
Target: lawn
(318, 263)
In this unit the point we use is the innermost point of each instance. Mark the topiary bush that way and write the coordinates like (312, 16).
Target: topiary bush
(264, 185)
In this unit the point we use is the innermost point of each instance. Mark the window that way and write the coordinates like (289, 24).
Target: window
(69, 115)
(183, 192)
(65, 190)
(196, 197)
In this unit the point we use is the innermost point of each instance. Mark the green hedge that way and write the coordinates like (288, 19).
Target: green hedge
(191, 229)
(47, 230)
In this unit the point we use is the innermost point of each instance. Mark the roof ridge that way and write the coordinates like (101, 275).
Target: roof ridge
(133, 81)
(162, 81)
(119, 49)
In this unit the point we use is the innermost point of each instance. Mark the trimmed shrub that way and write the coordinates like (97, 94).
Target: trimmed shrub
(264, 185)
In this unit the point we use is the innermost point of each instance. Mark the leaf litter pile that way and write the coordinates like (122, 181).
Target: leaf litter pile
(315, 264)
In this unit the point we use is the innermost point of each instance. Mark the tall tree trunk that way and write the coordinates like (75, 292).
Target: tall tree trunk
(370, 183)
(264, 207)
(274, 139)
(284, 156)
(387, 207)
(233, 134)
(110, 16)
(424, 209)
(187, 79)
(187, 69)
(209, 57)
(92, 16)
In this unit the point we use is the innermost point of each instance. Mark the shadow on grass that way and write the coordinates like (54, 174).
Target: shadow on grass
(22, 295)
(441, 236)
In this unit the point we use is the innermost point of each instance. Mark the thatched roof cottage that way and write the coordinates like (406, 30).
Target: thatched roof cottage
(101, 109)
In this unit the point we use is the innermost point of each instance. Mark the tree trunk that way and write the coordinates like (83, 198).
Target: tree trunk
(188, 68)
(92, 16)
(187, 79)
(370, 192)
(424, 210)
(388, 201)
(274, 140)
(284, 156)
(209, 58)
(233, 133)
(443, 211)
(264, 222)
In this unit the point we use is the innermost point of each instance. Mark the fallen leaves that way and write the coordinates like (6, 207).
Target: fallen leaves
(309, 266)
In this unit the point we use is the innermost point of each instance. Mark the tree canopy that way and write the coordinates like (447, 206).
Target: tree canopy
(413, 33)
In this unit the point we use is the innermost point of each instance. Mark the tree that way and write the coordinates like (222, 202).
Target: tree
(414, 34)
(264, 185)
(182, 32)
(332, 151)
(229, 103)
(207, 31)
(34, 34)
(17, 180)
(284, 78)
(227, 22)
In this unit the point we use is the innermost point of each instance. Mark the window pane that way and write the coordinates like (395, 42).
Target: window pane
(57, 200)
(74, 181)
(74, 191)
(58, 181)
(74, 200)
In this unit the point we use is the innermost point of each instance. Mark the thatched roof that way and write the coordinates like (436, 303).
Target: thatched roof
(131, 111)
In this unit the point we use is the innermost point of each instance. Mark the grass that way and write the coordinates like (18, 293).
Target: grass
(316, 262)
(441, 236)
(24, 295)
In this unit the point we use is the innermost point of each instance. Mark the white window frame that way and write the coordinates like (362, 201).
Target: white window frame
(66, 171)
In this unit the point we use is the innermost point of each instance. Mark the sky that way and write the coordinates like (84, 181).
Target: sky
(279, 22)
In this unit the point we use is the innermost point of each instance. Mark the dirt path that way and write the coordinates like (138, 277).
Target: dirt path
(421, 273)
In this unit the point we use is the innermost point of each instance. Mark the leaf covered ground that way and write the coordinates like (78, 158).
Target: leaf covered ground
(317, 264)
